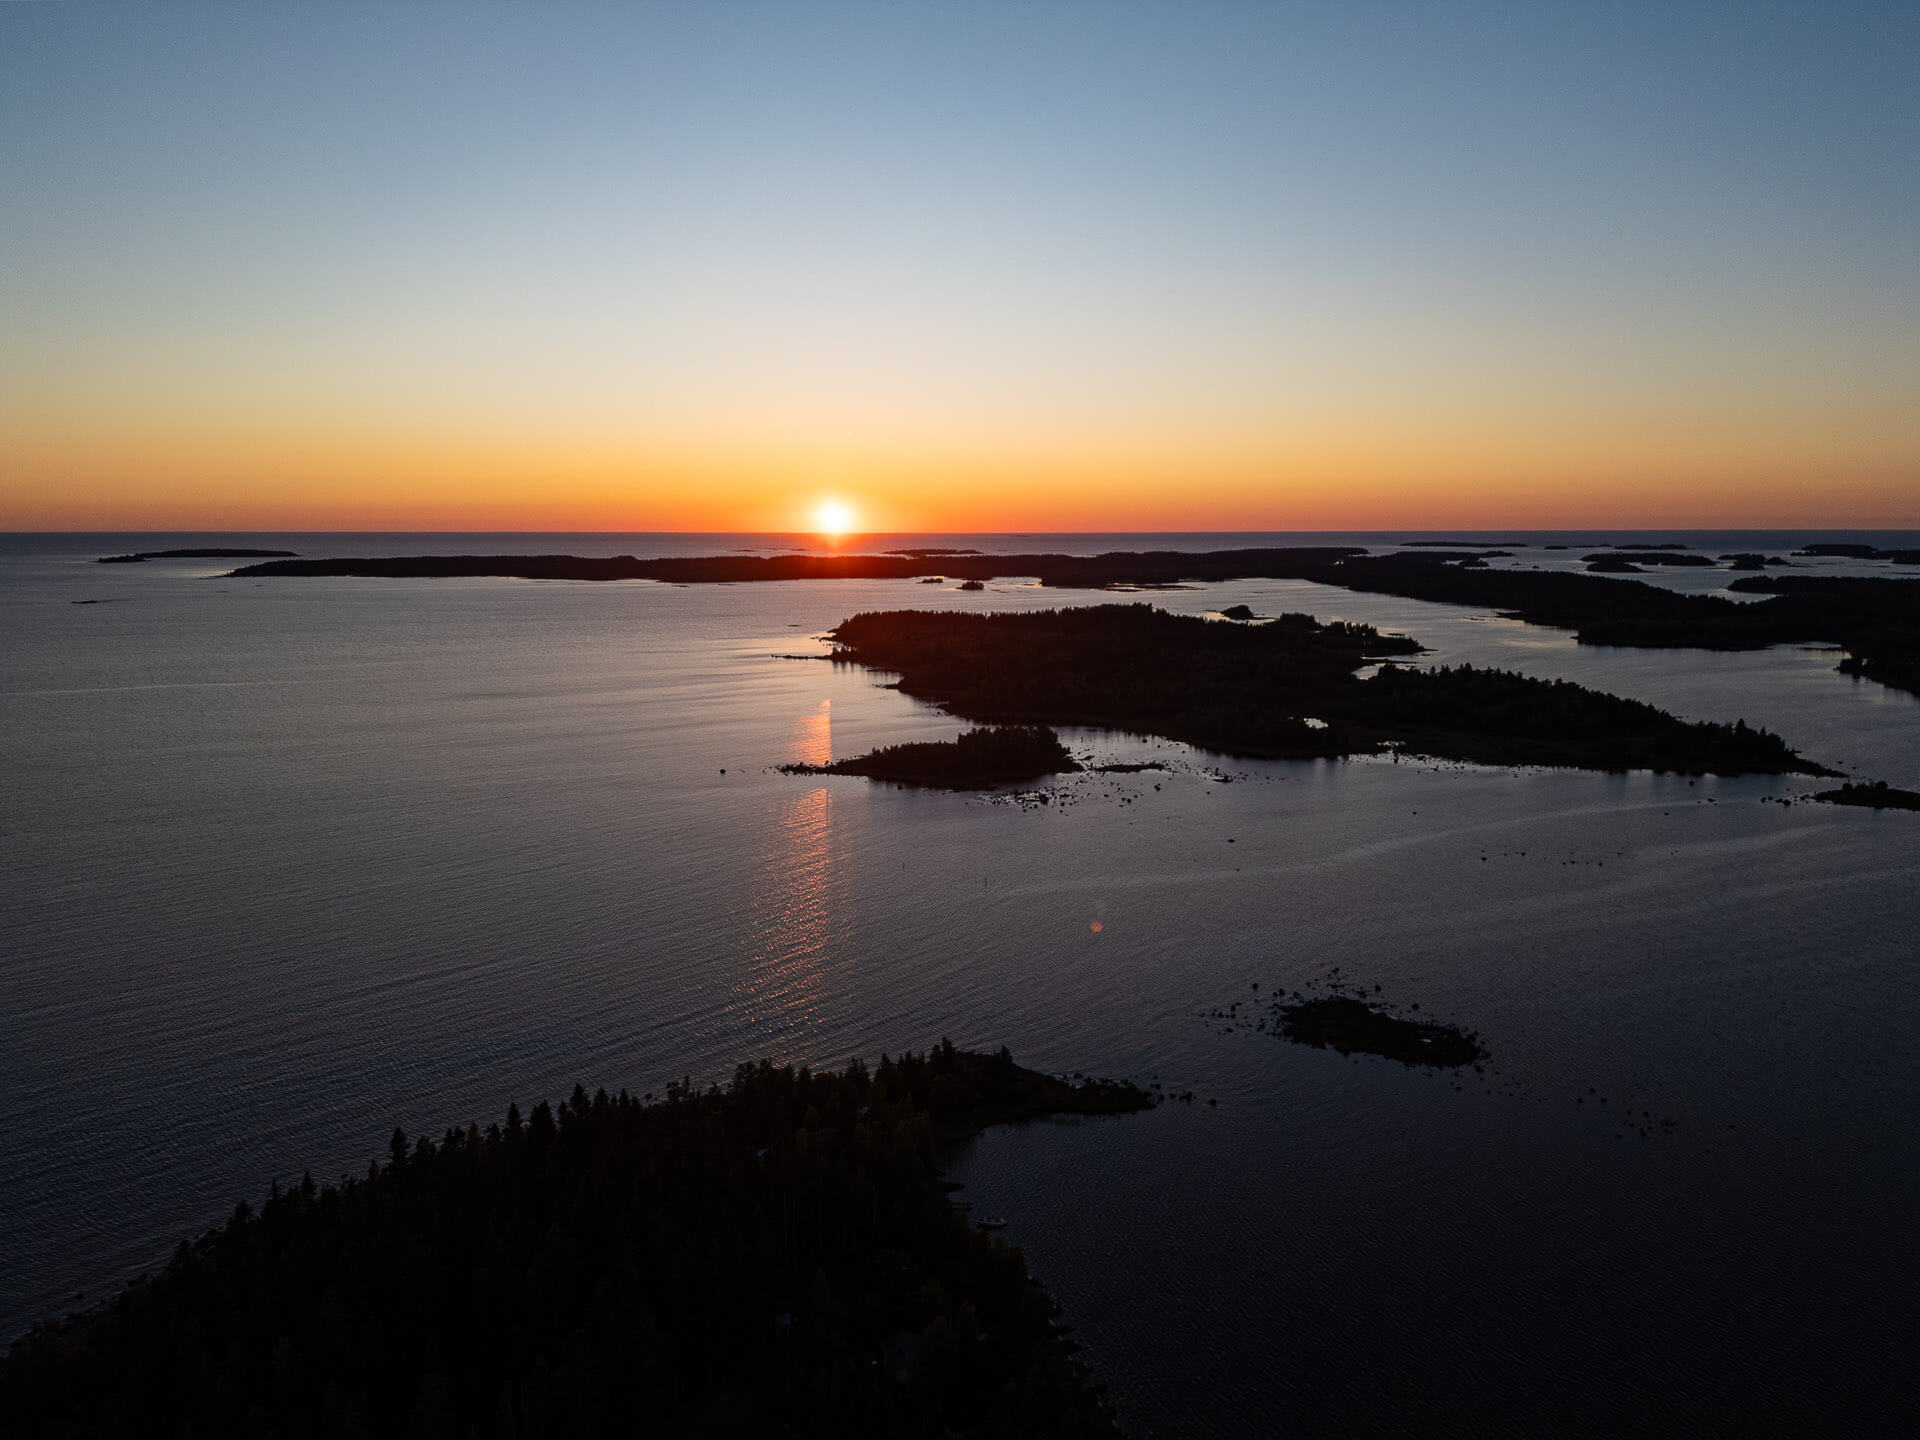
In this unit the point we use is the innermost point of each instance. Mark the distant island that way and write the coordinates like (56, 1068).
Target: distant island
(776, 1258)
(1880, 627)
(1144, 568)
(1486, 545)
(1648, 555)
(1877, 796)
(1861, 552)
(1286, 689)
(977, 760)
(137, 556)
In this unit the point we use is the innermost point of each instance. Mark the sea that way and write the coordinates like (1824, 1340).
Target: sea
(286, 863)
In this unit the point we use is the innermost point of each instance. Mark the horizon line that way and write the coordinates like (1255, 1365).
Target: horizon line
(882, 534)
(1484, 531)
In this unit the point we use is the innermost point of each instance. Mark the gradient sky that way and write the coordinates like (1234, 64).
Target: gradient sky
(972, 267)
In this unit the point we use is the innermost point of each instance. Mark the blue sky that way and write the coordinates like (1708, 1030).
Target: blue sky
(915, 247)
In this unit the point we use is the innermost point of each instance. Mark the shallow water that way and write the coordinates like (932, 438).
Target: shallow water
(290, 862)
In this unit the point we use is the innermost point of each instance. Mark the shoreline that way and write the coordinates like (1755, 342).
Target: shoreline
(1876, 619)
(829, 1183)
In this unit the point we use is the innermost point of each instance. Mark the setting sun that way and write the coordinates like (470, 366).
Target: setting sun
(833, 518)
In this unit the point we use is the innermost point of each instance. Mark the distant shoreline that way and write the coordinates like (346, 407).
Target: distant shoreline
(138, 556)
(1876, 619)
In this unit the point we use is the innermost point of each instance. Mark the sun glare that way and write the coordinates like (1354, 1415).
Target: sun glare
(833, 518)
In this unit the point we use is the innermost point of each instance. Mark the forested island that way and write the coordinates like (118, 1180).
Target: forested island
(1878, 625)
(1285, 689)
(139, 555)
(778, 1257)
(976, 760)
(1650, 555)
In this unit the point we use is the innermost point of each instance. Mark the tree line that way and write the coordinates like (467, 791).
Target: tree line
(1285, 689)
(775, 1257)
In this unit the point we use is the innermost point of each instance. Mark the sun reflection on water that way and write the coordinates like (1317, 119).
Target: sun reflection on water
(813, 741)
(792, 921)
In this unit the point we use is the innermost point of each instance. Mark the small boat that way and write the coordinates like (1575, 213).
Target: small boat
(972, 585)
(992, 1222)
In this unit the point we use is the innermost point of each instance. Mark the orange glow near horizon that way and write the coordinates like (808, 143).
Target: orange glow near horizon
(1264, 269)
(1340, 473)
(1384, 434)
(1279, 449)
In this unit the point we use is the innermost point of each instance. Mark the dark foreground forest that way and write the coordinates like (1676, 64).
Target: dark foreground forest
(775, 1258)
(1285, 689)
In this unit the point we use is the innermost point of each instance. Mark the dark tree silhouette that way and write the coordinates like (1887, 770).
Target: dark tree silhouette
(1877, 620)
(775, 1258)
(977, 760)
(1283, 689)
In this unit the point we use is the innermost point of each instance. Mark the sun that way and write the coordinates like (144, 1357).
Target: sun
(833, 518)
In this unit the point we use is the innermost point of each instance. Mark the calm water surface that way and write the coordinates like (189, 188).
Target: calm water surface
(287, 863)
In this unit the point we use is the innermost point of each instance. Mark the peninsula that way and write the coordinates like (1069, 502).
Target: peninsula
(1877, 618)
(776, 1258)
(1877, 796)
(139, 555)
(1287, 689)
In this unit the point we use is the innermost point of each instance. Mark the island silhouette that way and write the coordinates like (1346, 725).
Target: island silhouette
(1345, 1024)
(977, 760)
(1286, 689)
(778, 1257)
(1877, 619)
(1877, 796)
(221, 554)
